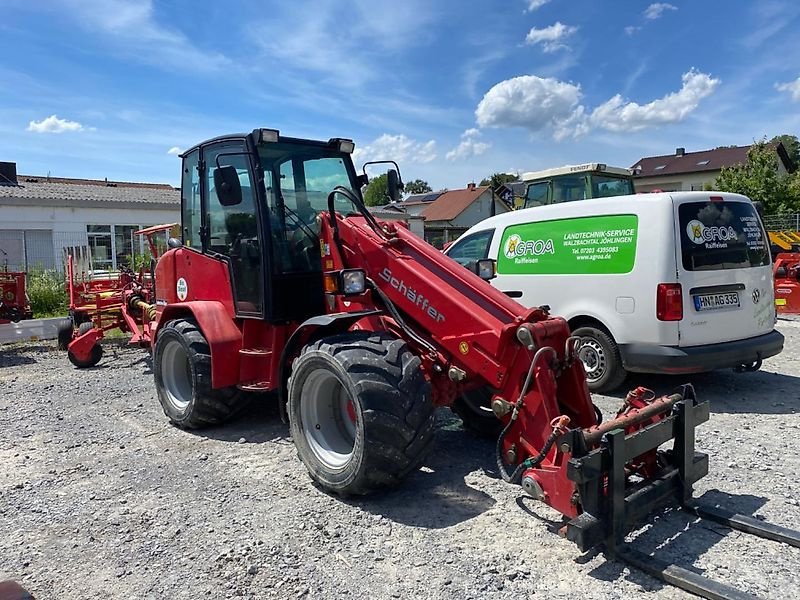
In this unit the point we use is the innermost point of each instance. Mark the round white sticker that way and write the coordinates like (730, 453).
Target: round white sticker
(182, 289)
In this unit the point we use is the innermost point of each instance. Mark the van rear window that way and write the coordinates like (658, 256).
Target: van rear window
(721, 235)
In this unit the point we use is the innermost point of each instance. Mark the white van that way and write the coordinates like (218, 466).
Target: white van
(675, 282)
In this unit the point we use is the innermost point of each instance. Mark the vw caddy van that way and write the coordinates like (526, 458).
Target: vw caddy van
(677, 282)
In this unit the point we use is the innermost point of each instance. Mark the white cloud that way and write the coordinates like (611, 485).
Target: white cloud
(53, 124)
(617, 115)
(631, 29)
(655, 10)
(539, 104)
(469, 146)
(793, 87)
(551, 38)
(530, 102)
(535, 4)
(399, 148)
(175, 151)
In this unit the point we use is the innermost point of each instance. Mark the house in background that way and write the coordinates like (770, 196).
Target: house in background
(687, 171)
(450, 213)
(40, 216)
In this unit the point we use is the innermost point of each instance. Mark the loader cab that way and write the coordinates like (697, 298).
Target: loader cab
(251, 201)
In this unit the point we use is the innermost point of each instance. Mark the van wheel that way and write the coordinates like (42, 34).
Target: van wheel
(601, 360)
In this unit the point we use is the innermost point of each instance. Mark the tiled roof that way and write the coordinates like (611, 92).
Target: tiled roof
(61, 189)
(696, 162)
(452, 203)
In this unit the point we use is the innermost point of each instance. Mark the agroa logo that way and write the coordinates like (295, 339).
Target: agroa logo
(515, 246)
(700, 233)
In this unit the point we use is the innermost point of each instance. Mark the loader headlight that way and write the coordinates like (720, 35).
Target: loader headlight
(354, 282)
(348, 282)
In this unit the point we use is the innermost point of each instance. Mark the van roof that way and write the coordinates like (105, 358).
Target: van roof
(582, 168)
(596, 206)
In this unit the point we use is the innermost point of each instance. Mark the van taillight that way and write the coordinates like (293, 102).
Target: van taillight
(669, 302)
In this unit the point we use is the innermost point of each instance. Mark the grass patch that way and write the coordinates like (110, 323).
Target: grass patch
(47, 293)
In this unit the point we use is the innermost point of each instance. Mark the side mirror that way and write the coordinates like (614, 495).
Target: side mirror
(395, 185)
(227, 186)
(759, 206)
(361, 180)
(174, 243)
(485, 268)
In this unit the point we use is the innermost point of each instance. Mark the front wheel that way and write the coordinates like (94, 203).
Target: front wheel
(360, 411)
(182, 371)
(601, 359)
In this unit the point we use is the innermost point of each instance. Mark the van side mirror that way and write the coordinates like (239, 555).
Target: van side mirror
(781, 272)
(485, 268)
(395, 185)
(759, 206)
(227, 186)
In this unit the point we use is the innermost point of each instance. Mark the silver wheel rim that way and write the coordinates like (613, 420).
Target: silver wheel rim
(176, 375)
(593, 358)
(328, 417)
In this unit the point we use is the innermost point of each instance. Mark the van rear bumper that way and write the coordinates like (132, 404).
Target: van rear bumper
(651, 358)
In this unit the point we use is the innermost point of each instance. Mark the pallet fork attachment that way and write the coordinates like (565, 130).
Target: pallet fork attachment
(613, 507)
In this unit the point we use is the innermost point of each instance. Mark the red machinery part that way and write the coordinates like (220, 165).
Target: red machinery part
(786, 271)
(14, 304)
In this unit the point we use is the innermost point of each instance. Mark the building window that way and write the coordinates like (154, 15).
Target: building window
(112, 246)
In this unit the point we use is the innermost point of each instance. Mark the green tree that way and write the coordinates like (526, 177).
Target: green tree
(792, 145)
(759, 180)
(377, 193)
(418, 186)
(497, 179)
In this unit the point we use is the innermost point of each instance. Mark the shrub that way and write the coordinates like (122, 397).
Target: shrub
(47, 293)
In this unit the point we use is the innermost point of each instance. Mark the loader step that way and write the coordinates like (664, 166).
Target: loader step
(254, 365)
(256, 386)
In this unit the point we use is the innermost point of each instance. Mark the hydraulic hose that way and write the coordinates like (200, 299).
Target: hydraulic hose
(529, 462)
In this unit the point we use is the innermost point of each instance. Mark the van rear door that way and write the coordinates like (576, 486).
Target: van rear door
(724, 268)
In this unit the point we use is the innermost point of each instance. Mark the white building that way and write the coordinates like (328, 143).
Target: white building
(40, 216)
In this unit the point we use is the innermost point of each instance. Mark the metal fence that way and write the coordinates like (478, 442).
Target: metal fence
(30, 249)
(787, 222)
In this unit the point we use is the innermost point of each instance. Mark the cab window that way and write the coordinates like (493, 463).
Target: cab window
(471, 248)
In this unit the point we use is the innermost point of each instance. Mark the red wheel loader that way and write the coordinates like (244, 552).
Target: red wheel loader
(284, 282)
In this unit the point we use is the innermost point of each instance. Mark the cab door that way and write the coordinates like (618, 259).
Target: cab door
(232, 232)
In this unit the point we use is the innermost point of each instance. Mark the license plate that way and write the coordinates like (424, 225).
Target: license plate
(716, 301)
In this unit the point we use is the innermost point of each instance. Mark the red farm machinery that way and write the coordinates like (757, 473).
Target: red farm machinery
(282, 281)
(14, 303)
(100, 301)
(786, 270)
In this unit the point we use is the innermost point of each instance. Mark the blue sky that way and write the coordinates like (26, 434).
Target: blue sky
(454, 90)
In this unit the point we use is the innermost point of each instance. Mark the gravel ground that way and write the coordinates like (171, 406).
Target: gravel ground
(101, 497)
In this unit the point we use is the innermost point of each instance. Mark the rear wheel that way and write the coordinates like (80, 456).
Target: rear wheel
(182, 371)
(360, 411)
(65, 329)
(601, 359)
(94, 355)
(475, 411)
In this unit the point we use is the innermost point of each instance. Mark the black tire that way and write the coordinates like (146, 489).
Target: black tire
(94, 356)
(474, 410)
(182, 371)
(601, 359)
(65, 329)
(360, 411)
